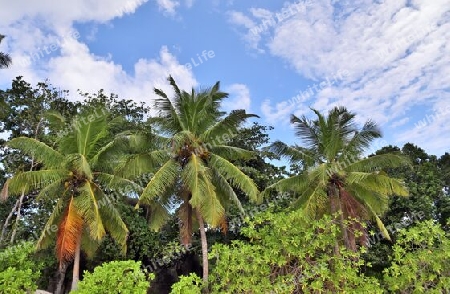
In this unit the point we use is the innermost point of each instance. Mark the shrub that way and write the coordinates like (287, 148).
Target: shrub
(125, 277)
(191, 284)
(19, 273)
(288, 253)
(421, 261)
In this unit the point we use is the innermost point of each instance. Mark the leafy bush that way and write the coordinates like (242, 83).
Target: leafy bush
(19, 273)
(125, 277)
(191, 284)
(285, 253)
(421, 261)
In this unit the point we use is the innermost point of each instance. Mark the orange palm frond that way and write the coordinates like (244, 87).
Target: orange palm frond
(69, 232)
(223, 225)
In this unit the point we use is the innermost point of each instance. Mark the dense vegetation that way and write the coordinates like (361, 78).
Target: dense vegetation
(182, 197)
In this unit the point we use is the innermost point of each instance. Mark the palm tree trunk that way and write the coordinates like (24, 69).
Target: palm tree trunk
(342, 224)
(19, 207)
(5, 225)
(60, 276)
(76, 265)
(185, 215)
(204, 250)
(333, 210)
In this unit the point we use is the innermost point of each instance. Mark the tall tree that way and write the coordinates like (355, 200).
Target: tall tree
(197, 160)
(5, 59)
(74, 174)
(337, 178)
(24, 112)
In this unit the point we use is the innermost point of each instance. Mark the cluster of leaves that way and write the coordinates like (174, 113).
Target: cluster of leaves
(19, 270)
(420, 261)
(280, 256)
(191, 284)
(124, 277)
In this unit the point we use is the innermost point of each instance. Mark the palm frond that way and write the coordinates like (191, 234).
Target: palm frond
(225, 127)
(378, 183)
(232, 153)
(113, 222)
(225, 192)
(87, 207)
(163, 179)
(294, 154)
(35, 180)
(38, 150)
(49, 233)
(90, 128)
(378, 162)
(236, 177)
(69, 231)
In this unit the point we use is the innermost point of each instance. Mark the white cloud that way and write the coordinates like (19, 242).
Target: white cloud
(62, 13)
(239, 98)
(168, 6)
(251, 37)
(396, 53)
(54, 51)
(96, 73)
(278, 114)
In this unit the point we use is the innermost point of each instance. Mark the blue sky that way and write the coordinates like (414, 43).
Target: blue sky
(385, 60)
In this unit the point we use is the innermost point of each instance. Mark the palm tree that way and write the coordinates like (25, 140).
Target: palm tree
(74, 176)
(336, 177)
(5, 59)
(196, 162)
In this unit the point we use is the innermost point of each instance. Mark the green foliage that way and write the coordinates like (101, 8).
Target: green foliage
(420, 261)
(191, 284)
(19, 271)
(125, 277)
(286, 252)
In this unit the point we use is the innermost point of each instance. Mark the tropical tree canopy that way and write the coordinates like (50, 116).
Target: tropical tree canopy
(337, 177)
(74, 175)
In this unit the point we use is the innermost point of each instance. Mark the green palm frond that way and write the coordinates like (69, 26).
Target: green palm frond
(35, 180)
(380, 224)
(232, 153)
(236, 177)
(90, 129)
(294, 154)
(307, 130)
(378, 182)
(226, 126)
(163, 180)
(225, 192)
(364, 195)
(87, 206)
(38, 150)
(135, 165)
(51, 191)
(378, 162)
(112, 221)
(79, 164)
(158, 215)
(115, 182)
(88, 244)
(361, 139)
(197, 178)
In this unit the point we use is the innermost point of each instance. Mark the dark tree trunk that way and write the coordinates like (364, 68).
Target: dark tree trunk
(185, 216)
(60, 278)
(201, 225)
